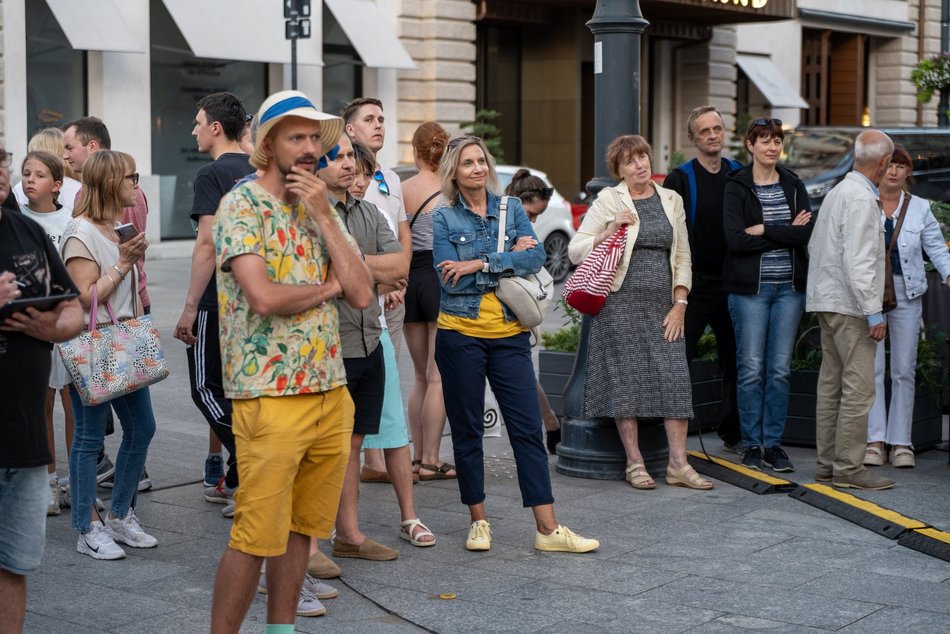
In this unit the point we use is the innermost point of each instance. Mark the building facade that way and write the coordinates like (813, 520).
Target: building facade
(141, 65)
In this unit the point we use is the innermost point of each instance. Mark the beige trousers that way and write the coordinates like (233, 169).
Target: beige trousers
(845, 393)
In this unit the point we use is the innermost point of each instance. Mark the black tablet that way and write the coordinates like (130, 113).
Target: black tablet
(39, 303)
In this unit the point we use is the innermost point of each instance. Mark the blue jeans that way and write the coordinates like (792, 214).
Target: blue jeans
(138, 427)
(465, 362)
(765, 325)
(24, 498)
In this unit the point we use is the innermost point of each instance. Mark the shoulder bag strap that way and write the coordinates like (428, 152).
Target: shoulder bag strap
(421, 207)
(900, 222)
(502, 224)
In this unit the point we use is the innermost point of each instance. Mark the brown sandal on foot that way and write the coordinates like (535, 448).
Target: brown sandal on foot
(438, 473)
(687, 477)
(639, 478)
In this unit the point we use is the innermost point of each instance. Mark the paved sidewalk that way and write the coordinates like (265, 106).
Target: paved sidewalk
(671, 560)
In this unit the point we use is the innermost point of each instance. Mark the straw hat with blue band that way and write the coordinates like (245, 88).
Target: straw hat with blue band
(291, 103)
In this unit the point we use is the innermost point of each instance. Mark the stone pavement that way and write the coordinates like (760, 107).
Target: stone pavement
(671, 560)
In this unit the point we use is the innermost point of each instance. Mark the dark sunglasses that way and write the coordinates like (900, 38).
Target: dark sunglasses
(462, 139)
(134, 178)
(760, 122)
(381, 182)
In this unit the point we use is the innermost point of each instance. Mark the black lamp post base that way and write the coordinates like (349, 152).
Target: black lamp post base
(592, 449)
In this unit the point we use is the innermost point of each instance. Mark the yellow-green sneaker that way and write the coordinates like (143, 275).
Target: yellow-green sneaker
(564, 540)
(479, 536)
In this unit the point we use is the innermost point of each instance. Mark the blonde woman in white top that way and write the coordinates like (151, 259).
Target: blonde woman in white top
(96, 260)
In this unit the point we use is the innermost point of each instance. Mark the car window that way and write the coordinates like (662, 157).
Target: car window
(812, 152)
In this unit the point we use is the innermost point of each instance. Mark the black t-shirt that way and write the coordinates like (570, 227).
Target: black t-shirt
(707, 241)
(27, 252)
(213, 181)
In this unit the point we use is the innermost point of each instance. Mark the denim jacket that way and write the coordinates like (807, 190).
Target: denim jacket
(460, 234)
(920, 234)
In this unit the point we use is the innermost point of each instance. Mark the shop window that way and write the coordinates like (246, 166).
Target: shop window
(178, 81)
(342, 66)
(56, 86)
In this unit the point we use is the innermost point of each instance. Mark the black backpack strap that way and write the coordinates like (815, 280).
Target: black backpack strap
(421, 207)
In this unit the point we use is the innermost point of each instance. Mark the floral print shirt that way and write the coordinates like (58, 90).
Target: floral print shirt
(275, 355)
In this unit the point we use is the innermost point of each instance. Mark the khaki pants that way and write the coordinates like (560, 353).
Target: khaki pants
(845, 393)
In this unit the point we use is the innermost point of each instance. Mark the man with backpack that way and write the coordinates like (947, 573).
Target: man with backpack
(701, 182)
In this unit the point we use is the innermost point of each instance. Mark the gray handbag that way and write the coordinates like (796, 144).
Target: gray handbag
(527, 296)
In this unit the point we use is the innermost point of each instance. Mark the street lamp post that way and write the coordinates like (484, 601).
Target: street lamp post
(591, 448)
(296, 26)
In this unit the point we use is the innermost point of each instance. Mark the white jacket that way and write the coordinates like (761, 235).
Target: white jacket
(846, 252)
(920, 233)
(605, 208)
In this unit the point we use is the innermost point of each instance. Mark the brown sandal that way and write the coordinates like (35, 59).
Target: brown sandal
(639, 478)
(687, 477)
(438, 473)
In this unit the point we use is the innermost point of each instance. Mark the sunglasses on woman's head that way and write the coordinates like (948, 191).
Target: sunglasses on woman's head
(462, 139)
(760, 121)
(383, 187)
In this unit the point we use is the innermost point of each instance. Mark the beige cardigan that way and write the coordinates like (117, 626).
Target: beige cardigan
(603, 211)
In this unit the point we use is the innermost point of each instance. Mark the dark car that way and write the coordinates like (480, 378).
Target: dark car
(821, 156)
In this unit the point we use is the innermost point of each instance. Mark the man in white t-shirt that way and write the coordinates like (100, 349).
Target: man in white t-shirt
(364, 123)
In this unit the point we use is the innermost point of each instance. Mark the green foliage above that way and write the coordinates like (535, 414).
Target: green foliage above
(484, 127)
(568, 337)
(930, 76)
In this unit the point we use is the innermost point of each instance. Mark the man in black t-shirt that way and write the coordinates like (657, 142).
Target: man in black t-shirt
(219, 125)
(701, 182)
(29, 267)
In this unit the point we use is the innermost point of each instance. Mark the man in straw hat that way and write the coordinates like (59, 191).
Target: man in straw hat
(283, 260)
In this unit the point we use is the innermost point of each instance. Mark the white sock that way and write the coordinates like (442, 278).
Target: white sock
(53, 476)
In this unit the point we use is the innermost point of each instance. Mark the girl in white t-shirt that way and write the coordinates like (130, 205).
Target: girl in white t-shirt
(43, 174)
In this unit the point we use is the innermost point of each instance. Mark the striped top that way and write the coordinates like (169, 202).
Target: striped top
(776, 265)
(422, 230)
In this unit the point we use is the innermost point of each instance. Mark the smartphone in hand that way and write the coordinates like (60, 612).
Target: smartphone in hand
(126, 232)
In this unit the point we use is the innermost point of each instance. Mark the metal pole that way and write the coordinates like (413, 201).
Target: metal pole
(592, 448)
(293, 63)
(943, 117)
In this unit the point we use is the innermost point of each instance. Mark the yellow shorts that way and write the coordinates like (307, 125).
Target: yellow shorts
(291, 454)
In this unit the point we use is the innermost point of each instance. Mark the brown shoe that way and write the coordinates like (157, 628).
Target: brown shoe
(863, 480)
(369, 549)
(822, 476)
(322, 567)
(372, 475)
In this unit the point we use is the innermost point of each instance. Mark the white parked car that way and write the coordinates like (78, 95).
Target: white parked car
(554, 227)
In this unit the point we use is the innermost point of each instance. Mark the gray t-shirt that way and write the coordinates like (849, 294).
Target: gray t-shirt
(360, 329)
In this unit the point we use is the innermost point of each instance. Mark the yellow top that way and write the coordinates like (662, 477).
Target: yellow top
(490, 323)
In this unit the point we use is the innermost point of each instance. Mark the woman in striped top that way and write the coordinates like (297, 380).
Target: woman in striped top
(767, 221)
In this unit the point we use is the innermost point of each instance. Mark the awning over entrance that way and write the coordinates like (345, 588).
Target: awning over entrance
(371, 33)
(769, 80)
(707, 12)
(96, 25)
(243, 30)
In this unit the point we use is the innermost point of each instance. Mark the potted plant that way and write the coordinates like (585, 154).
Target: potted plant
(930, 76)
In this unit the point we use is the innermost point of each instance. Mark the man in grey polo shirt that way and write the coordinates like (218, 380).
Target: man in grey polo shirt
(363, 355)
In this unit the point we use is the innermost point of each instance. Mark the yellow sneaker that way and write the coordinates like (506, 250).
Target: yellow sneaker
(564, 540)
(479, 536)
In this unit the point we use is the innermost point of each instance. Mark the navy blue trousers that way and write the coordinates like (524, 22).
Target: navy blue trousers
(465, 362)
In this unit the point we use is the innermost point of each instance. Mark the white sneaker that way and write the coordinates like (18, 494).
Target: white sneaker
(98, 545)
(128, 531)
(64, 500)
(53, 508)
(228, 511)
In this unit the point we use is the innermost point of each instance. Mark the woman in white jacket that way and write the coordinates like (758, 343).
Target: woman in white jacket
(919, 233)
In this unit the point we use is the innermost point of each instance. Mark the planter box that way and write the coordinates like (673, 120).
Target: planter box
(554, 369)
(926, 432)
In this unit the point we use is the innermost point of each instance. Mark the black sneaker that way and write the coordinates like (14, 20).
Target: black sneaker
(776, 458)
(752, 458)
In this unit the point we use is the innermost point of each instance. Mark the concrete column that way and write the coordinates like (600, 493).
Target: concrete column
(13, 124)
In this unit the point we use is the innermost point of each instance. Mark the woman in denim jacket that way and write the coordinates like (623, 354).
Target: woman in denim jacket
(919, 233)
(479, 338)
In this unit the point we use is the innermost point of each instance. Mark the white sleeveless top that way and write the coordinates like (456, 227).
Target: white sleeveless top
(81, 239)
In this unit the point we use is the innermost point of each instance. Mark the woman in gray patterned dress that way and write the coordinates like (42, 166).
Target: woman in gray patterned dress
(637, 363)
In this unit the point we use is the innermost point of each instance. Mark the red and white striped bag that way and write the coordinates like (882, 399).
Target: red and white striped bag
(587, 289)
